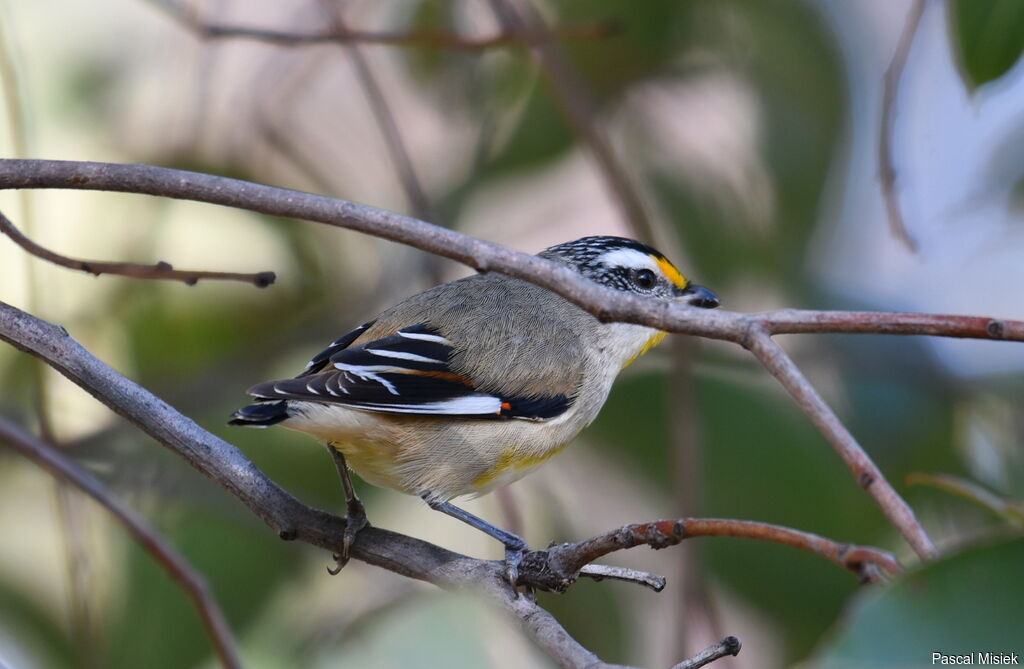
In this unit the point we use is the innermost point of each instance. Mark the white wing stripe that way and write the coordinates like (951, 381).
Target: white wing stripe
(402, 355)
(425, 337)
(367, 373)
(473, 405)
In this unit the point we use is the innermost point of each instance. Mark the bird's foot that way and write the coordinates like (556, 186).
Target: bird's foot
(355, 521)
(514, 552)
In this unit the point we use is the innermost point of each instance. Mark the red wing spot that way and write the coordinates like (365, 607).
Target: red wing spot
(505, 406)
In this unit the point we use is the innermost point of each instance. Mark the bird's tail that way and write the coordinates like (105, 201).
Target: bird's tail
(261, 414)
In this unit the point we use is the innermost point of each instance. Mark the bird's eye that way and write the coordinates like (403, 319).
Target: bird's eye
(644, 278)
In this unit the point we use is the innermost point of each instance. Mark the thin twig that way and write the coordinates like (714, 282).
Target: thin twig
(600, 572)
(160, 270)
(567, 559)
(730, 645)
(572, 97)
(868, 475)
(432, 39)
(226, 466)
(605, 303)
(886, 160)
(52, 460)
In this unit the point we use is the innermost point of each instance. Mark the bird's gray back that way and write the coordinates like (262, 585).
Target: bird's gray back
(510, 336)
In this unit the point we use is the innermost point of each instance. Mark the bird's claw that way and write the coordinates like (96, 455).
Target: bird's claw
(355, 522)
(513, 558)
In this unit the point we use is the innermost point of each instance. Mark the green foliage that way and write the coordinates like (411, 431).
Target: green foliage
(968, 602)
(242, 566)
(988, 36)
(200, 347)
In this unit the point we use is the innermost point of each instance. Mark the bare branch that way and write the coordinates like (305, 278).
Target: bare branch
(605, 303)
(730, 645)
(794, 321)
(52, 460)
(868, 475)
(416, 38)
(161, 270)
(226, 466)
(886, 160)
(565, 560)
(600, 572)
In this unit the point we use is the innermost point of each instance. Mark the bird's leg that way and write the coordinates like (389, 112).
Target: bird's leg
(355, 514)
(515, 547)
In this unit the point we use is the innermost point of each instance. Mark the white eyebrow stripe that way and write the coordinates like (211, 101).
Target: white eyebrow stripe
(402, 355)
(425, 337)
(629, 258)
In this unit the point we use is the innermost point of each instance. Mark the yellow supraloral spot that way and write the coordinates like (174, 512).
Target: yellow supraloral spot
(670, 271)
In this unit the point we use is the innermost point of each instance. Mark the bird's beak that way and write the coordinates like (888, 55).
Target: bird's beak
(699, 296)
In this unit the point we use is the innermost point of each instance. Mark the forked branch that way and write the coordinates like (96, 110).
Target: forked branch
(225, 465)
(605, 303)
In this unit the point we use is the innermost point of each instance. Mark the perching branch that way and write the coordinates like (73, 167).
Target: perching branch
(605, 303)
(559, 565)
(226, 466)
(160, 270)
(433, 39)
(52, 460)
(886, 160)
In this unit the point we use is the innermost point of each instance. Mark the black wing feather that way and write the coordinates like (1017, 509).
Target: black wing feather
(321, 359)
(408, 373)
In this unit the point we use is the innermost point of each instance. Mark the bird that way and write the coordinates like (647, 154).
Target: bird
(472, 384)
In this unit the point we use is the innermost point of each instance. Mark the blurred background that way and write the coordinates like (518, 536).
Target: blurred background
(740, 136)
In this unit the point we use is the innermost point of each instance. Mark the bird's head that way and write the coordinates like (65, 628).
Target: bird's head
(628, 265)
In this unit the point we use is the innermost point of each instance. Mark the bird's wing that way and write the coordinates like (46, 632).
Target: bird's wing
(407, 372)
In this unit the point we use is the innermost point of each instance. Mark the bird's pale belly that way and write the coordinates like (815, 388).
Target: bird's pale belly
(442, 459)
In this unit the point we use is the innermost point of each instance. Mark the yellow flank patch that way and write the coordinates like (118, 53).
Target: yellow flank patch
(651, 343)
(670, 271)
(512, 459)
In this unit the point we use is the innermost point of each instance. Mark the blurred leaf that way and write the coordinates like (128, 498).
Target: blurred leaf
(646, 36)
(989, 38)
(541, 134)
(1010, 510)
(242, 563)
(782, 52)
(432, 15)
(37, 632)
(970, 602)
